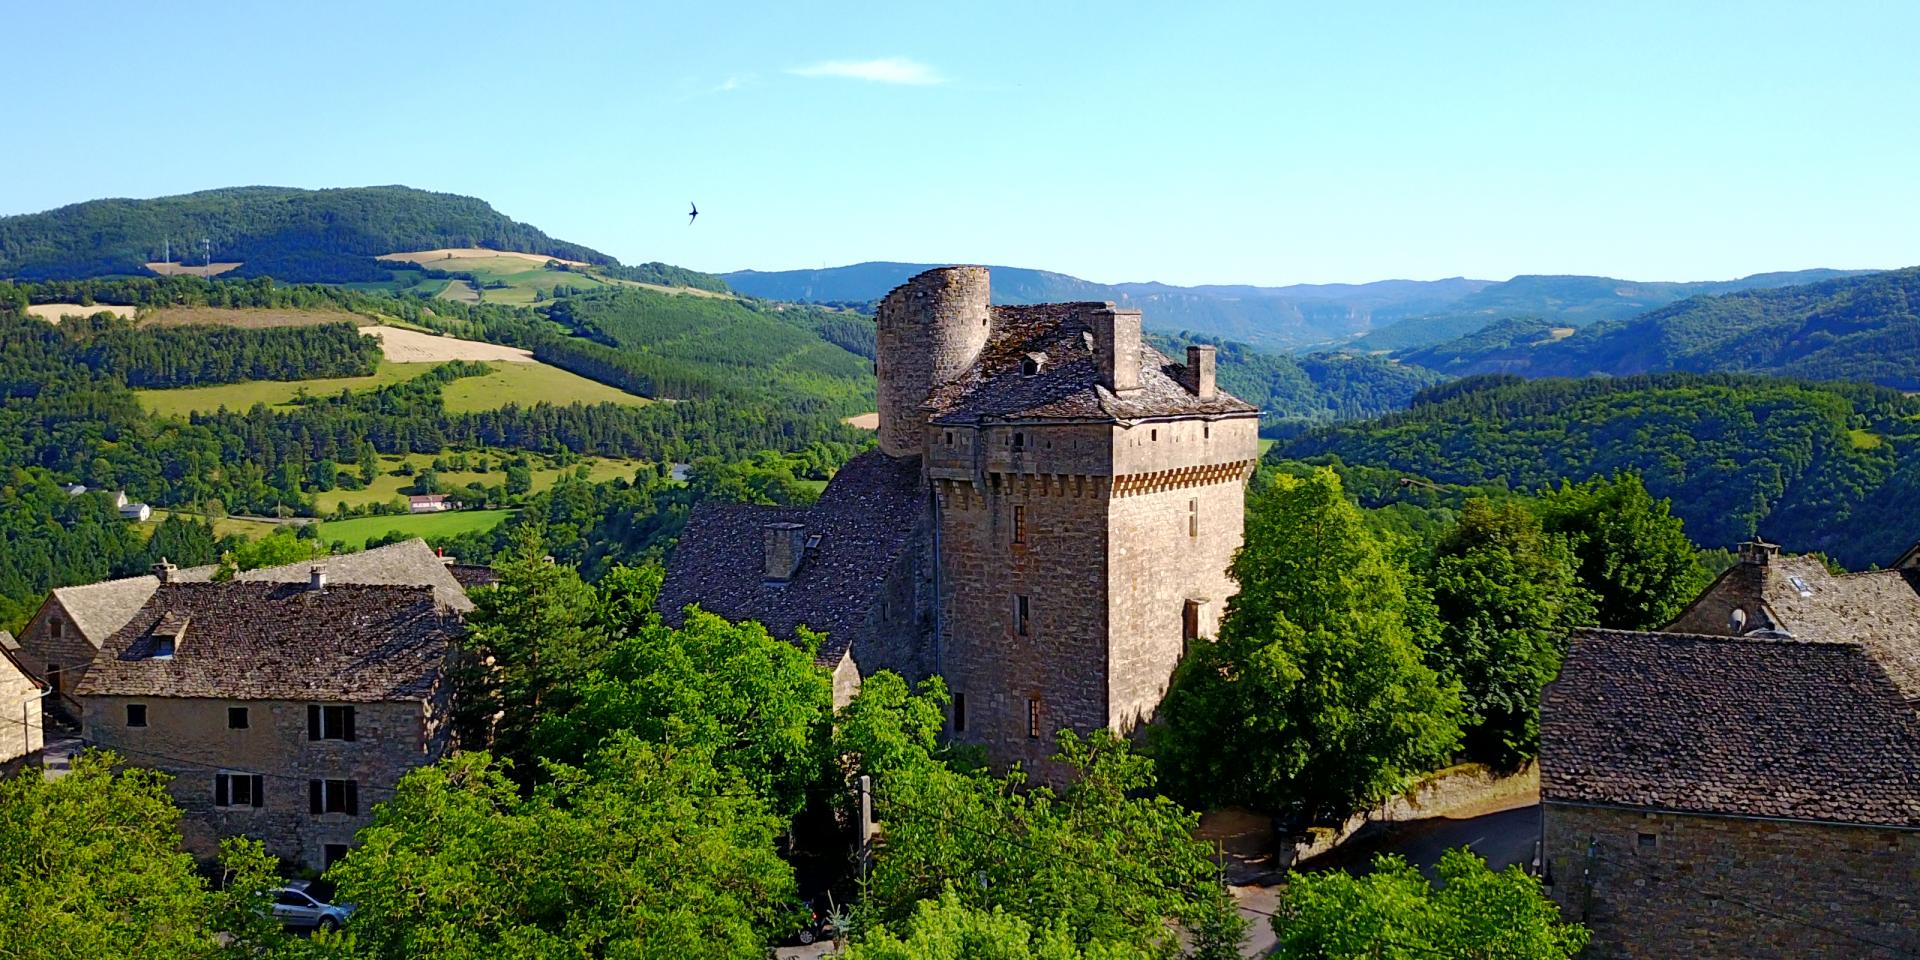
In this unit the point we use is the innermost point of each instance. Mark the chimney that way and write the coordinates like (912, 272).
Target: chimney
(786, 547)
(1758, 553)
(1116, 348)
(164, 571)
(1198, 378)
(317, 577)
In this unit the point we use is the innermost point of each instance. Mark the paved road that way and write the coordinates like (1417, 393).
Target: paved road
(1501, 838)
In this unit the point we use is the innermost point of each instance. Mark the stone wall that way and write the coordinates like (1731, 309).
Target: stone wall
(189, 738)
(927, 331)
(39, 648)
(1678, 885)
(22, 728)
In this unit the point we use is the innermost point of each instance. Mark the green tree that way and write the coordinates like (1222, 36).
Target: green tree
(948, 927)
(279, 548)
(369, 464)
(519, 478)
(648, 852)
(1630, 551)
(1315, 699)
(1392, 913)
(1109, 862)
(1506, 596)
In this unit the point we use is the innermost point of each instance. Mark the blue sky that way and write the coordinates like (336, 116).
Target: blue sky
(1189, 143)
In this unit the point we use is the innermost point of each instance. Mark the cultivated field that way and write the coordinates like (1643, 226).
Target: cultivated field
(526, 384)
(182, 401)
(54, 312)
(186, 270)
(387, 485)
(248, 317)
(434, 258)
(359, 530)
(865, 421)
(523, 383)
(412, 346)
(459, 290)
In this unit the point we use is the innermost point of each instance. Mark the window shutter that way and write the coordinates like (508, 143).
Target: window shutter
(219, 789)
(313, 790)
(353, 797)
(258, 783)
(347, 714)
(313, 721)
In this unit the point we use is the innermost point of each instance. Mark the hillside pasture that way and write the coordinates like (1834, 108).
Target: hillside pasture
(520, 382)
(222, 527)
(357, 531)
(413, 346)
(192, 270)
(526, 384)
(459, 290)
(55, 312)
(387, 485)
(184, 401)
(252, 318)
(433, 258)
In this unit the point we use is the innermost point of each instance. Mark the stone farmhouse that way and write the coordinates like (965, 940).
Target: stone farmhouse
(1746, 783)
(1046, 524)
(61, 640)
(283, 711)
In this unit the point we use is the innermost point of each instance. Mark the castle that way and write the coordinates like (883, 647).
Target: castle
(1047, 522)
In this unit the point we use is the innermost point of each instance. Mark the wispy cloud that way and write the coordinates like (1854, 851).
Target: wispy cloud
(735, 82)
(896, 70)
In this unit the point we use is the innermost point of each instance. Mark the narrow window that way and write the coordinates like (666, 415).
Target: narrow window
(1189, 624)
(334, 796)
(1019, 524)
(239, 789)
(1020, 614)
(1206, 430)
(1154, 435)
(236, 718)
(56, 628)
(1019, 441)
(136, 714)
(1033, 718)
(959, 713)
(1648, 841)
(949, 438)
(1193, 519)
(329, 723)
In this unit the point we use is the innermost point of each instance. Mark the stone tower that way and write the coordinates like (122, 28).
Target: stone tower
(1086, 501)
(930, 330)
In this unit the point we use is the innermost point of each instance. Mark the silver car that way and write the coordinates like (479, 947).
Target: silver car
(294, 907)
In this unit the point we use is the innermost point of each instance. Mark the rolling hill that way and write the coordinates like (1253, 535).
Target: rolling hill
(292, 235)
(1862, 327)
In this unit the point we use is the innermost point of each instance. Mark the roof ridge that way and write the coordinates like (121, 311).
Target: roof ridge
(1753, 639)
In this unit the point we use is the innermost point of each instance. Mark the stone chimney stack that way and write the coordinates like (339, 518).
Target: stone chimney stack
(317, 577)
(786, 547)
(164, 571)
(1758, 553)
(1199, 374)
(1116, 348)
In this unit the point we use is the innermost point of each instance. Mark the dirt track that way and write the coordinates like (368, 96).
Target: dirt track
(412, 346)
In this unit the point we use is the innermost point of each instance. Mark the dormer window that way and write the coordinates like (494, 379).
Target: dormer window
(167, 635)
(1030, 364)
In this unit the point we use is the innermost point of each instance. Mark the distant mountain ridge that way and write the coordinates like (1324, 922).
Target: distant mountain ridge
(1863, 327)
(293, 235)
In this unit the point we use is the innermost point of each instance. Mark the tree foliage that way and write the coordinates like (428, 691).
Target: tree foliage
(1629, 551)
(1315, 698)
(1392, 913)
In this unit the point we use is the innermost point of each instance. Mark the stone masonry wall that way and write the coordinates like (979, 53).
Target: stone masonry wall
(189, 738)
(1061, 568)
(928, 331)
(1676, 885)
(40, 648)
(22, 728)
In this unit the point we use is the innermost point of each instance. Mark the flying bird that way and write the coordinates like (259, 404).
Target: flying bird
(692, 213)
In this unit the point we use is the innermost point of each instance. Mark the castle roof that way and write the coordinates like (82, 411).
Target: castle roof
(1741, 726)
(278, 641)
(866, 519)
(1066, 385)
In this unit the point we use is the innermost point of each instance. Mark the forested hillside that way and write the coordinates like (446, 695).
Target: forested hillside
(1293, 392)
(1863, 328)
(290, 234)
(1826, 467)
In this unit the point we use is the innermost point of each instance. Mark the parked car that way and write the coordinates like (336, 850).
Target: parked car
(819, 926)
(295, 906)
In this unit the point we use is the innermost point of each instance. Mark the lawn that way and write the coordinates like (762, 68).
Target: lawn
(523, 383)
(359, 530)
(1265, 445)
(387, 486)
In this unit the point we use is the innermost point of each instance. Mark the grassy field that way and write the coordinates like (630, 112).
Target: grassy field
(1265, 445)
(522, 383)
(251, 529)
(359, 530)
(247, 317)
(387, 486)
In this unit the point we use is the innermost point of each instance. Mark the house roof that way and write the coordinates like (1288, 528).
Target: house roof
(1741, 726)
(98, 609)
(1878, 609)
(868, 515)
(472, 575)
(1067, 385)
(279, 641)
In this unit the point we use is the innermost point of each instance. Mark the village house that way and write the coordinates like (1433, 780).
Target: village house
(22, 728)
(1047, 522)
(62, 638)
(1747, 783)
(283, 711)
(430, 503)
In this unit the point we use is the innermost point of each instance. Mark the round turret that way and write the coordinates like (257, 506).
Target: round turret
(929, 331)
